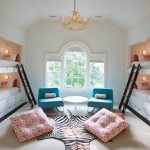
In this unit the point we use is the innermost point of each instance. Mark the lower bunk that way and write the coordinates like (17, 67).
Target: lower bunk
(11, 99)
(139, 104)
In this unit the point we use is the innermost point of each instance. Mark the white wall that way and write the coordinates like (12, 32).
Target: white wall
(10, 30)
(102, 37)
(139, 31)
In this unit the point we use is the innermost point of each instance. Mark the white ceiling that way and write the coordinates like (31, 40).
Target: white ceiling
(27, 13)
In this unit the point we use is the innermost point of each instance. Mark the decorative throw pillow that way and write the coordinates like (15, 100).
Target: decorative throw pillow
(105, 125)
(17, 58)
(4, 84)
(31, 124)
(136, 57)
(7, 56)
(7, 84)
(143, 85)
(10, 57)
(121, 115)
(15, 83)
(10, 83)
(100, 96)
(50, 95)
(13, 57)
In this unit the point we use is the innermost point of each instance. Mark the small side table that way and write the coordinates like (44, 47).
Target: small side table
(75, 100)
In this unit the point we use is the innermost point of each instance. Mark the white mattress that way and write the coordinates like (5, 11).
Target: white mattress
(8, 92)
(143, 94)
(140, 101)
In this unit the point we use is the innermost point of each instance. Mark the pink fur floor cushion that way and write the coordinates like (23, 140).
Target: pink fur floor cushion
(105, 125)
(31, 124)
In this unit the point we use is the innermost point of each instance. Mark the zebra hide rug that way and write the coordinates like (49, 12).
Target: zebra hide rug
(69, 129)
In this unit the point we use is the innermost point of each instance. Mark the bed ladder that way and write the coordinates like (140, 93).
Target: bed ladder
(26, 85)
(129, 87)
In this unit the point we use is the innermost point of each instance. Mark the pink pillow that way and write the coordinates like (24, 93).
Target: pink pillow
(11, 57)
(105, 125)
(143, 85)
(4, 84)
(15, 83)
(31, 124)
(7, 83)
(136, 57)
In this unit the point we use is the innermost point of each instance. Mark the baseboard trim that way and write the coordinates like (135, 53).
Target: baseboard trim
(11, 112)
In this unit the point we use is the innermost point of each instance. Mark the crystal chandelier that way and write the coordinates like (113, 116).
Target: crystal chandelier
(75, 21)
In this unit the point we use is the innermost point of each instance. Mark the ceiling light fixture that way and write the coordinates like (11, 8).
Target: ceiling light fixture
(75, 21)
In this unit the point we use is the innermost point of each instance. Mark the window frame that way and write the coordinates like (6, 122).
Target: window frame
(59, 73)
(90, 57)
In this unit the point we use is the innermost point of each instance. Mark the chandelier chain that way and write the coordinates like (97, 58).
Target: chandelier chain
(74, 4)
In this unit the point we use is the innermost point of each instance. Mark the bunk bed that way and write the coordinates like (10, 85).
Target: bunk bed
(139, 104)
(137, 98)
(11, 93)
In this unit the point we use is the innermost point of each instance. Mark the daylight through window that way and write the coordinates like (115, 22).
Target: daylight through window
(75, 69)
(75, 65)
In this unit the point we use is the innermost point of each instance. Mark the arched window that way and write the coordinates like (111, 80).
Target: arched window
(75, 67)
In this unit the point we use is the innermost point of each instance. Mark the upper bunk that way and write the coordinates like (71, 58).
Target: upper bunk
(9, 55)
(139, 53)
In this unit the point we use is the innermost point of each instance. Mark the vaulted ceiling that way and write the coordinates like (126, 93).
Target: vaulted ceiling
(27, 13)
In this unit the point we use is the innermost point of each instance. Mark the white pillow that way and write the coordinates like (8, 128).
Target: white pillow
(10, 83)
(13, 57)
(50, 95)
(100, 96)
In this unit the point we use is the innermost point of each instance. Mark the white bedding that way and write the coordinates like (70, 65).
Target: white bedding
(140, 101)
(143, 94)
(8, 92)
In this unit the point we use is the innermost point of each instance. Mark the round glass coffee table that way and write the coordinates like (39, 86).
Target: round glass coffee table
(75, 100)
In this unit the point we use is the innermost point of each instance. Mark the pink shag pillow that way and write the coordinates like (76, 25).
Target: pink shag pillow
(105, 125)
(31, 124)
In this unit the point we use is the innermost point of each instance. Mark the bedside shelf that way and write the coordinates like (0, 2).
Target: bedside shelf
(145, 64)
(142, 70)
(8, 63)
(8, 66)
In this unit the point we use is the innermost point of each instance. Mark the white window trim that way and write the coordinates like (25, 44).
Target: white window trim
(90, 57)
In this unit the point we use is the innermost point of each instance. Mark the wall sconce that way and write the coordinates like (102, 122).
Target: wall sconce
(144, 52)
(6, 77)
(146, 55)
(6, 51)
(144, 78)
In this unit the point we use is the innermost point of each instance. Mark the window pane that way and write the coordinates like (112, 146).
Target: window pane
(81, 72)
(53, 73)
(81, 82)
(75, 69)
(68, 82)
(97, 74)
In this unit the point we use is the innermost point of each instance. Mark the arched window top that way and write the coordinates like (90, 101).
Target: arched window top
(75, 67)
(75, 46)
